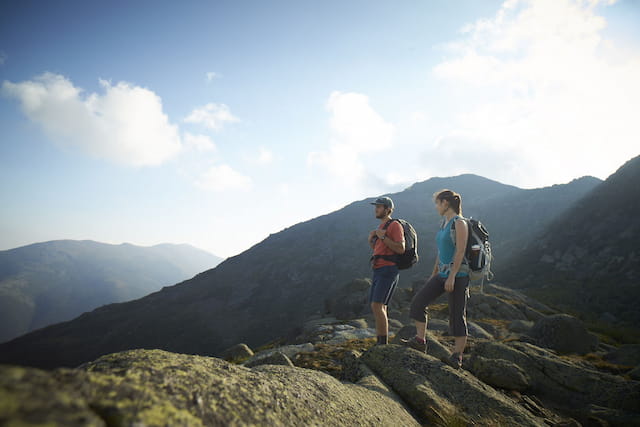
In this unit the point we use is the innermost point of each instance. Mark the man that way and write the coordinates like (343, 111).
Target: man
(386, 241)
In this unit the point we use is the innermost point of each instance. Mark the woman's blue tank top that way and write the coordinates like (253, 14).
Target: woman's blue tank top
(446, 247)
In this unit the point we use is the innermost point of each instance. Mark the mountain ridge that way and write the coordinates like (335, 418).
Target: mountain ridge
(256, 296)
(47, 282)
(588, 260)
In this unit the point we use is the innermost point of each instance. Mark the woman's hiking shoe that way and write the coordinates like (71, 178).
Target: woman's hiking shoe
(456, 360)
(413, 342)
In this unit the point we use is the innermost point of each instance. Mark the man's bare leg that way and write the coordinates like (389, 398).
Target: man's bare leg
(382, 322)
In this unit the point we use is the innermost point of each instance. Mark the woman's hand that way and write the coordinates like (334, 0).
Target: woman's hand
(448, 284)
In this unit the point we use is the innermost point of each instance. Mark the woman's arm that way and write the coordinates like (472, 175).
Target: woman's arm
(461, 245)
(435, 265)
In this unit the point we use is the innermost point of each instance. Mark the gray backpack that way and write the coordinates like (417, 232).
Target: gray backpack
(477, 254)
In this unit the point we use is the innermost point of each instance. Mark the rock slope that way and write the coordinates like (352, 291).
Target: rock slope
(525, 365)
(159, 388)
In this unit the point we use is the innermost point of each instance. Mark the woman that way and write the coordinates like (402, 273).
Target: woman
(450, 274)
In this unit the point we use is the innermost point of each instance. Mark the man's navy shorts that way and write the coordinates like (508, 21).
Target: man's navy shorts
(383, 284)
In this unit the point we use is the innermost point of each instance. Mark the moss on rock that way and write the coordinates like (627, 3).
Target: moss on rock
(158, 388)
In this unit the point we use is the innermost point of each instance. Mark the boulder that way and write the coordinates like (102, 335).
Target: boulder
(313, 324)
(627, 355)
(607, 317)
(434, 347)
(442, 395)
(482, 306)
(237, 352)
(442, 326)
(30, 396)
(288, 350)
(531, 313)
(437, 325)
(158, 388)
(495, 330)
(499, 373)
(477, 331)
(558, 379)
(564, 333)
(358, 323)
(520, 326)
(634, 374)
(333, 331)
(338, 336)
(599, 415)
(357, 372)
(275, 358)
(395, 324)
(513, 295)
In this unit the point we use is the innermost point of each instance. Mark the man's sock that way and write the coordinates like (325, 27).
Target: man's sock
(421, 340)
(382, 339)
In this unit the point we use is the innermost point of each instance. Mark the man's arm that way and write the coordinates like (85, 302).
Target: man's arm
(396, 246)
(371, 236)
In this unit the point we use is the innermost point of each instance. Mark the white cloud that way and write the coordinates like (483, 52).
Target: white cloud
(199, 142)
(125, 124)
(212, 116)
(356, 128)
(265, 156)
(223, 178)
(262, 156)
(541, 82)
(212, 75)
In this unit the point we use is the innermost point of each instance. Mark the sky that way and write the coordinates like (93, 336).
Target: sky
(217, 123)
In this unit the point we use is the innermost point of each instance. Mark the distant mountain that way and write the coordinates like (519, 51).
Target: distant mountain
(49, 282)
(588, 259)
(269, 290)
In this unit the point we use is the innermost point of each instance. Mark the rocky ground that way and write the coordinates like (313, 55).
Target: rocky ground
(525, 365)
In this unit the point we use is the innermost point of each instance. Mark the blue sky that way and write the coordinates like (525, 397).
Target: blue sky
(218, 123)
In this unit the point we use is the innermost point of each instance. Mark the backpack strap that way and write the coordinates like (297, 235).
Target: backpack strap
(452, 233)
(394, 257)
(388, 223)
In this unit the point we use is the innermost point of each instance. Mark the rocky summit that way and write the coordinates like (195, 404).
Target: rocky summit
(515, 373)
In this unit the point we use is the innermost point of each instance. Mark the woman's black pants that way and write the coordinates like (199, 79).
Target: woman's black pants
(432, 289)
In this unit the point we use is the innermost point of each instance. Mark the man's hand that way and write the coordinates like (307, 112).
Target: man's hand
(380, 232)
(448, 284)
(371, 234)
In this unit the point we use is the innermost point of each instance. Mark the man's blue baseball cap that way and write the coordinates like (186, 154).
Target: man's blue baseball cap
(385, 201)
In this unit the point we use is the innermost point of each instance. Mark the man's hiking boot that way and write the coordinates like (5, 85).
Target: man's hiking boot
(456, 360)
(414, 343)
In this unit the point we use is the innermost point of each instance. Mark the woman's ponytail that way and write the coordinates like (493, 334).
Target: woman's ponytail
(454, 199)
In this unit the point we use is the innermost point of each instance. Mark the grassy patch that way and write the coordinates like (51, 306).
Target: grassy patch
(501, 323)
(272, 344)
(238, 360)
(328, 357)
(613, 334)
(599, 363)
